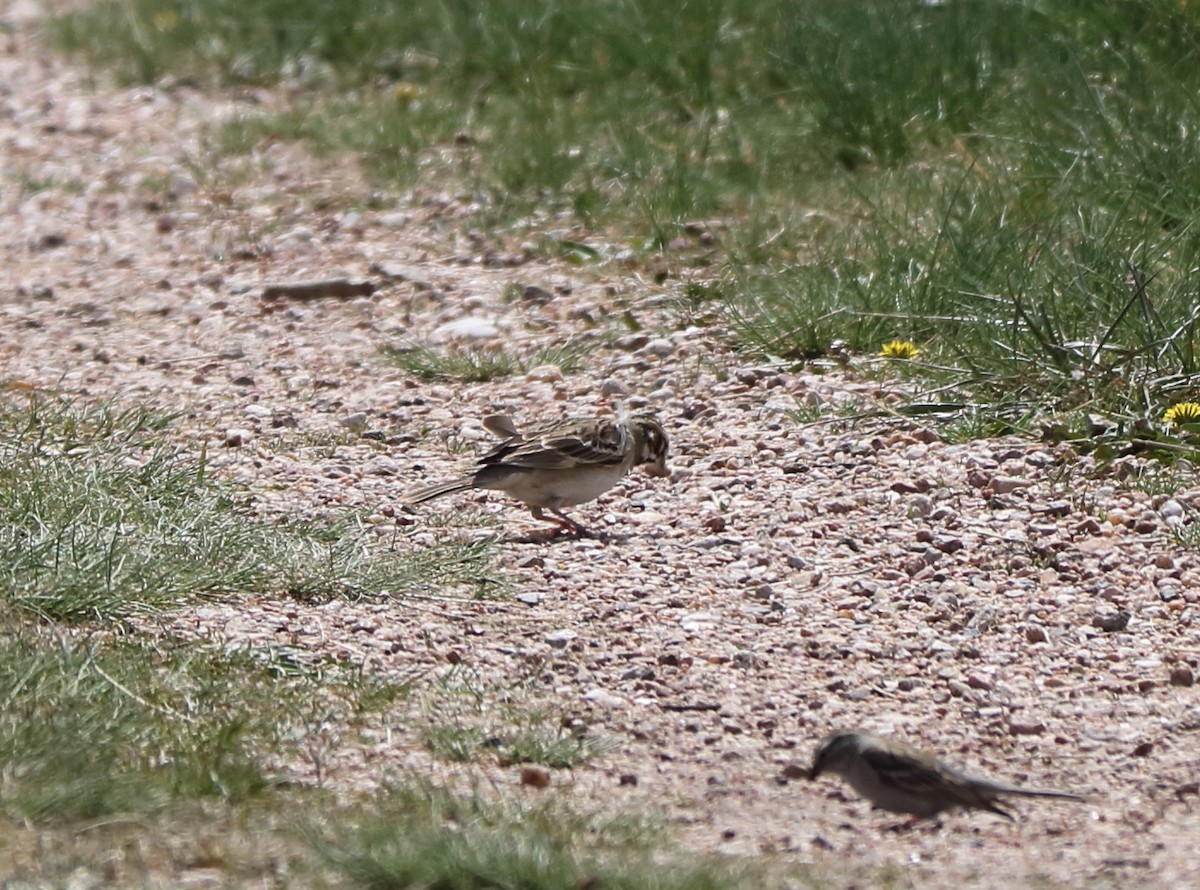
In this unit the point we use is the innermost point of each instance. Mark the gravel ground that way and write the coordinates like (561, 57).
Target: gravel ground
(1001, 602)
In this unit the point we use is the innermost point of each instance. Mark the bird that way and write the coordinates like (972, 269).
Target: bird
(560, 464)
(898, 778)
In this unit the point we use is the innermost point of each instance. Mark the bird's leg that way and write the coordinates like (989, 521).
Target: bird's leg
(570, 523)
(563, 522)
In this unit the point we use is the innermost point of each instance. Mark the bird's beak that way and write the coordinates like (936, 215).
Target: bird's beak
(658, 468)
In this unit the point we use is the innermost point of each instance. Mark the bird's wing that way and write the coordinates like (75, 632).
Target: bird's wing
(501, 426)
(565, 445)
(903, 772)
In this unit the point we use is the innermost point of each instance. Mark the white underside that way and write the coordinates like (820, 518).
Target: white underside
(555, 489)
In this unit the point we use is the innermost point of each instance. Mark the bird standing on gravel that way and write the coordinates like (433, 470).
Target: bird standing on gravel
(562, 464)
(900, 779)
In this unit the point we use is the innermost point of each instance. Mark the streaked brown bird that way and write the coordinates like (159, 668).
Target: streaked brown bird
(898, 778)
(561, 464)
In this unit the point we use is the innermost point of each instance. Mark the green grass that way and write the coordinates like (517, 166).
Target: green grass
(478, 364)
(469, 720)
(100, 517)
(435, 840)
(95, 729)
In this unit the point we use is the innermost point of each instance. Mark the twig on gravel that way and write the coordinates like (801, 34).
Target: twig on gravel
(342, 288)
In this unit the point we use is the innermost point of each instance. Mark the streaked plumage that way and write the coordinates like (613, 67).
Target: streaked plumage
(896, 777)
(562, 464)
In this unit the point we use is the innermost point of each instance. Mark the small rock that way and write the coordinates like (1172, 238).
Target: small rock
(1172, 512)
(920, 506)
(959, 689)
(545, 374)
(1008, 484)
(628, 780)
(237, 437)
(612, 387)
(535, 777)
(1181, 675)
(978, 681)
(381, 466)
(631, 342)
(471, 327)
(538, 296)
(1027, 727)
(560, 639)
(355, 423)
(1112, 623)
(1099, 425)
(604, 697)
(660, 347)
(1035, 633)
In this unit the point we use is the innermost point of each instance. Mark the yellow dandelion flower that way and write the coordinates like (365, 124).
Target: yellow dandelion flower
(900, 349)
(406, 93)
(1184, 412)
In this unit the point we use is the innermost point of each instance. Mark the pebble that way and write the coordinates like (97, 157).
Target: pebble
(1008, 484)
(631, 342)
(354, 423)
(1182, 675)
(535, 777)
(381, 466)
(470, 327)
(1026, 727)
(544, 374)
(1172, 512)
(920, 506)
(559, 639)
(1035, 633)
(605, 698)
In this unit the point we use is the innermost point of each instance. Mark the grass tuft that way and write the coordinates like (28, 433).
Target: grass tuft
(90, 729)
(479, 365)
(433, 839)
(99, 517)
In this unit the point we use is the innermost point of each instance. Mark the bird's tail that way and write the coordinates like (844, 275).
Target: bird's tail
(429, 492)
(1038, 792)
